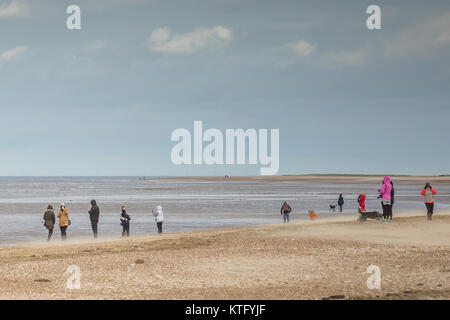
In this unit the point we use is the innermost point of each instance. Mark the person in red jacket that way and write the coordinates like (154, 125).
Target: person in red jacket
(428, 192)
(362, 201)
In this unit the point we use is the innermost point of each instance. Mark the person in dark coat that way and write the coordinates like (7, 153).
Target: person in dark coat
(340, 202)
(285, 211)
(50, 219)
(94, 215)
(125, 222)
(392, 200)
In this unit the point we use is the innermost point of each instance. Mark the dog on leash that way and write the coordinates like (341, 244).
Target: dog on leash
(333, 207)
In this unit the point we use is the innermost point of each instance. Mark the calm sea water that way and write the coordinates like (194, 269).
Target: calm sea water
(187, 205)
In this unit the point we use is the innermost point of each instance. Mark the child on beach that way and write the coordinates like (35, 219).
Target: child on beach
(125, 222)
(159, 218)
(428, 192)
(49, 218)
(63, 216)
(362, 202)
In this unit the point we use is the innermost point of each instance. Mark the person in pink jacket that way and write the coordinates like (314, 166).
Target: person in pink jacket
(385, 194)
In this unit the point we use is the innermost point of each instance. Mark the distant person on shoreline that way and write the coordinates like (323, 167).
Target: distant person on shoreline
(94, 215)
(125, 222)
(428, 192)
(50, 219)
(64, 222)
(385, 194)
(340, 202)
(362, 201)
(159, 218)
(285, 211)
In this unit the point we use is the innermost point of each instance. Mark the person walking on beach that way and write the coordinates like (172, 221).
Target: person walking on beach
(63, 216)
(50, 219)
(159, 218)
(362, 202)
(385, 193)
(125, 222)
(340, 202)
(428, 192)
(94, 215)
(285, 211)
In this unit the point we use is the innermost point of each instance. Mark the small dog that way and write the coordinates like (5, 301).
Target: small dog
(333, 207)
(312, 215)
(363, 216)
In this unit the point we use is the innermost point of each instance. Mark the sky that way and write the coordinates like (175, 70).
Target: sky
(104, 100)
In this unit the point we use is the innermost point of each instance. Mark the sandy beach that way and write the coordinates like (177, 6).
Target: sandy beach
(303, 260)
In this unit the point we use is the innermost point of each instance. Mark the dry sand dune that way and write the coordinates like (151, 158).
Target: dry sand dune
(312, 260)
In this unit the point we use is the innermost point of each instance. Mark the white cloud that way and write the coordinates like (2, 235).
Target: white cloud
(201, 39)
(301, 48)
(430, 34)
(349, 58)
(14, 9)
(13, 53)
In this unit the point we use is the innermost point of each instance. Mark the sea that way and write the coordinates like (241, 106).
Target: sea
(187, 204)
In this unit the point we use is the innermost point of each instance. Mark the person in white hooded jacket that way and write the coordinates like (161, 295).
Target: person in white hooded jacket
(159, 217)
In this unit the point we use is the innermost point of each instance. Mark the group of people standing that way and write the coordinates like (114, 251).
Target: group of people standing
(387, 195)
(63, 220)
(94, 215)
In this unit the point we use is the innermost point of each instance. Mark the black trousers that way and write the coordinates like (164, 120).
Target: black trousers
(126, 230)
(94, 225)
(387, 211)
(430, 209)
(63, 232)
(50, 232)
(159, 224)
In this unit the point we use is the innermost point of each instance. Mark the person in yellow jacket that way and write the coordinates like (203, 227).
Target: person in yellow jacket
(64, 222)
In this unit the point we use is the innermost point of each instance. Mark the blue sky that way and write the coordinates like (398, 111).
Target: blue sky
(105, 99)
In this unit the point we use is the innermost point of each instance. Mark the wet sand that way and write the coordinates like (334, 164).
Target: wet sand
(304, 260)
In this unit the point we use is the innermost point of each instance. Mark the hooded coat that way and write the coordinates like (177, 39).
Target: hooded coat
(362, 202)
(158, 214)
(49, 218)
(386, 188)
(124, 219)
(94, 213)
(341, 200)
